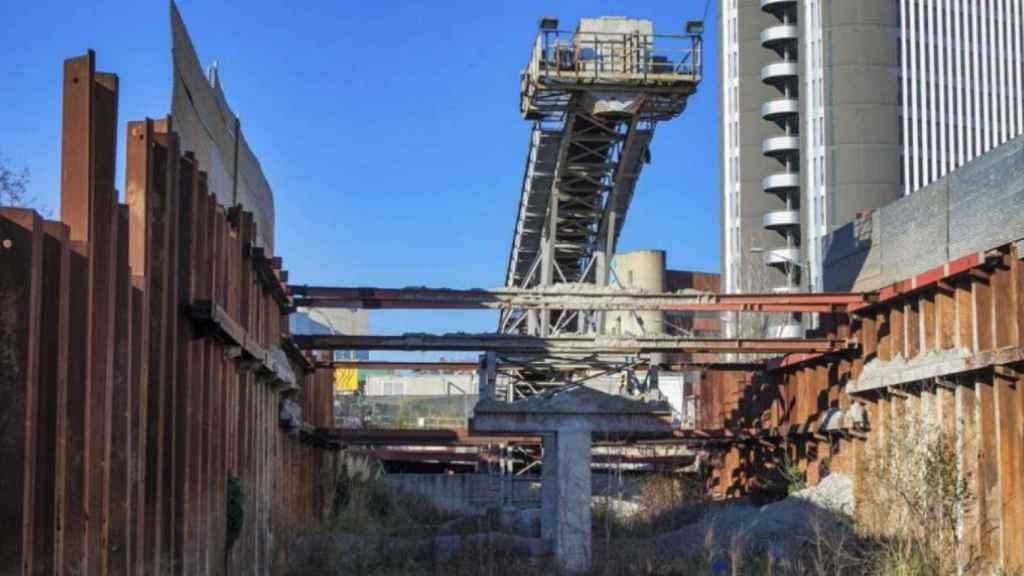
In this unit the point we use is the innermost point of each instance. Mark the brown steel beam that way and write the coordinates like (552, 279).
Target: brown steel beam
(21, 259)
(578, 297)
(440, 456)
(505, 343)
(473, 366)
(381, 365)
(452, 457)
(462, 437)
(416, 437)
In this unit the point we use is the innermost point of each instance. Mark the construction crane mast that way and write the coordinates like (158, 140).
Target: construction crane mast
(594, 96)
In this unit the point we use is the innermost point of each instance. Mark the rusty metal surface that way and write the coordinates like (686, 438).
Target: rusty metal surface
(125, 420)
(562, 297)
(507, 343)
(380, 365)
(21, 260)
(950, 344)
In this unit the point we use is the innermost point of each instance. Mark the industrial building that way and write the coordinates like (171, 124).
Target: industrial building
(832, 109)
(170, 393)
(646, 270)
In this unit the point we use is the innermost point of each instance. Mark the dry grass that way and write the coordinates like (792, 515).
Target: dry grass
(909, 497)
(912, 494)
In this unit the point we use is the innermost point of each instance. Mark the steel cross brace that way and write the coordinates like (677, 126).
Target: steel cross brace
(577, 296)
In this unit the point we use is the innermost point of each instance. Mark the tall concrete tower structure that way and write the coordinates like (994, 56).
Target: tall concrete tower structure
(835, 107)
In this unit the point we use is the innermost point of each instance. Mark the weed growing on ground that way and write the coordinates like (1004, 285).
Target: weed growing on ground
(910, 495)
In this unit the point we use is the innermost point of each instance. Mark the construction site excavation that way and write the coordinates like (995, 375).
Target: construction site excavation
(794, 346)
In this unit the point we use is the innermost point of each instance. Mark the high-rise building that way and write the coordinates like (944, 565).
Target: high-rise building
(831, 108)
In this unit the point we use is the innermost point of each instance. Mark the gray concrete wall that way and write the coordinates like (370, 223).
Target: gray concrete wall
(439, 385)
(207, 127)
(978, 207)
(861, 98)
(467, 493)
(475, 493)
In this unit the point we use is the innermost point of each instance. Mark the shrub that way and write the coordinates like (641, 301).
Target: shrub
(235, 509)
(912, 494)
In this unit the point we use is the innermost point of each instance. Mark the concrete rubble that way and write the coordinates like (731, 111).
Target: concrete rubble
(779, 528)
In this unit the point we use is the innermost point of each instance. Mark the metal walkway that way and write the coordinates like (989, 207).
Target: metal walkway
(595, 97)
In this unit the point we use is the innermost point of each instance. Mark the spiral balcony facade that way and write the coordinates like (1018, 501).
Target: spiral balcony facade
(783, 38)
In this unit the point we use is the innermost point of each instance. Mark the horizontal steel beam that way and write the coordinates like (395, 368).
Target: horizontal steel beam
(509, 343)
(745, 365)
(571, 297)
(380, 365)
(417, 437)
(463, 438)
(477, 456)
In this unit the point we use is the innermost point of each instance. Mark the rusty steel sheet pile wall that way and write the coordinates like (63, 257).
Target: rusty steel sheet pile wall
(144, 355)
(940, 352)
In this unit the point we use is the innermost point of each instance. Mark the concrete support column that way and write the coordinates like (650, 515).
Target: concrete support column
(601, 279)
(566, 420)
(486, 375)
(549, 486)
(571, 510)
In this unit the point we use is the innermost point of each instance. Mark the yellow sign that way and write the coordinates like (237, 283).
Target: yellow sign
(346, 379)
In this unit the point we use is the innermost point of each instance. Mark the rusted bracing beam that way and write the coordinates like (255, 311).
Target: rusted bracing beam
(296, 355)
(268, 269)
(21, 276)
(414, 437)
(240, 344)
(581, 297)
(209, 314)
(927, 279)
(564, 344)
(378, 365)
(448, 366)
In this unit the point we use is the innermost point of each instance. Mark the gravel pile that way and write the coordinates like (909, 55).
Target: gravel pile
(779, 528)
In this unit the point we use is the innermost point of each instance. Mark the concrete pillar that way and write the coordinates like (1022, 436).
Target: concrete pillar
(549, 486)
(565, 497)
(601, 279)
(486, 376)
(566, 421)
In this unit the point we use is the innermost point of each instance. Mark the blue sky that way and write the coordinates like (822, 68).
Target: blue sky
(389, 131)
